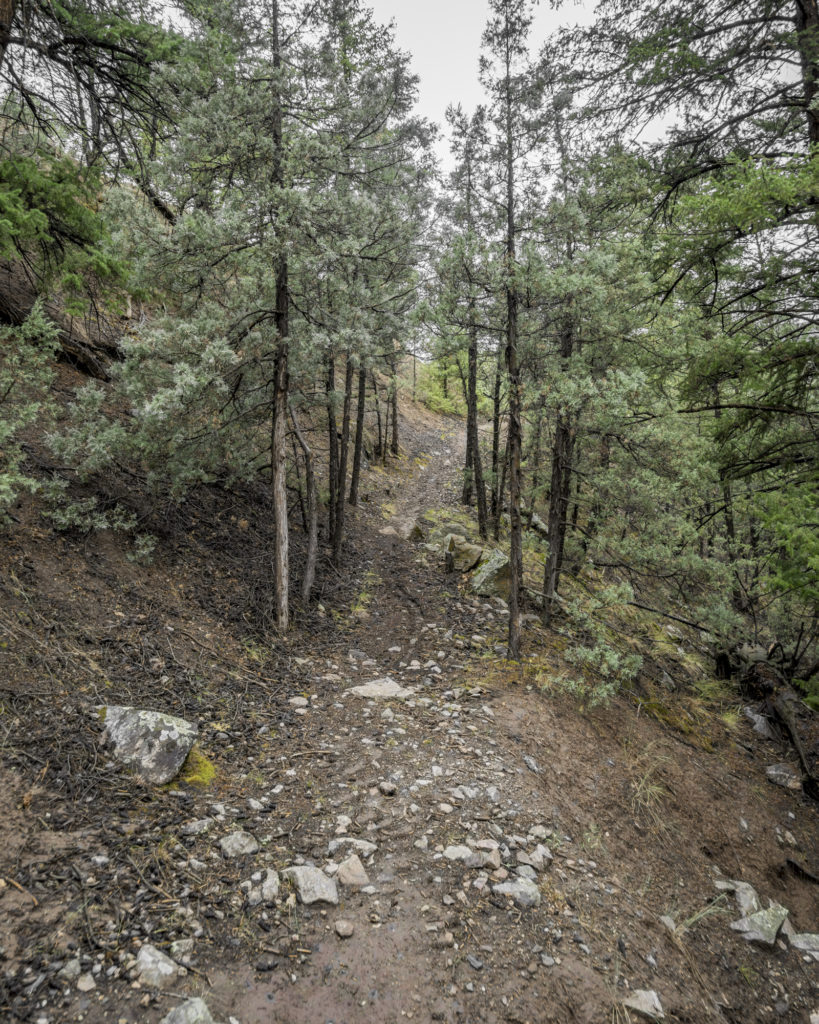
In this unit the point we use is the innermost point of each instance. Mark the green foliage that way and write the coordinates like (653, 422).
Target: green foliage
(438, 386)
(598, 666)
(26, 356)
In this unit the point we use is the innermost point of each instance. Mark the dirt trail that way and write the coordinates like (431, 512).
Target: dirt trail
(473, 779)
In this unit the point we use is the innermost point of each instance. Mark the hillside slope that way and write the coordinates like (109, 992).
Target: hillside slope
(619, 817)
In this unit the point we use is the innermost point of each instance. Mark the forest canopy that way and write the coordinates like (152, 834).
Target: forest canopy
(615, 285)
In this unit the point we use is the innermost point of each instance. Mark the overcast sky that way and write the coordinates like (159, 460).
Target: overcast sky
(444, 38)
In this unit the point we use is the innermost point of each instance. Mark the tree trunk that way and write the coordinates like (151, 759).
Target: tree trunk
(474, 469)
(280, 373)
(387, 408)
(558, 500)
(807, 43)
(515, 427)
(496, 415)
(501, 489)
(536, 456)
(341, 489)
(381, 440)
(312, 514)
(8, 9)
(394, 448)
(359, 433)
(332, 437)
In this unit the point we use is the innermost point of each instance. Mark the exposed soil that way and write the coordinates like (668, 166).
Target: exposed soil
(640, 814)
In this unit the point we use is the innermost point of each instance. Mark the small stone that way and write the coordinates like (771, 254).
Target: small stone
(387, 787)
(194, 828)
(446, 941)
(192, 1011)
(71, 971)
(344, 929)
(299, 702)
(807, 942)
(154, 968)
(645, 1002)
(540, 857)
(523, 891)
(383, 689)
(86, 983)
(474, 962)
(270, 886)
(458, 853)
(351, 872)
(361, 846)
(182, 947)
(485, 859)
(446, 808)
(784, 775)
(312, 884)
(238, 844)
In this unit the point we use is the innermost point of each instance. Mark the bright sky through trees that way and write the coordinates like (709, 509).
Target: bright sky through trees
(444, 39)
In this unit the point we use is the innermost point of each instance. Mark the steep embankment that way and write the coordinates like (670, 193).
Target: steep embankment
(470, 777)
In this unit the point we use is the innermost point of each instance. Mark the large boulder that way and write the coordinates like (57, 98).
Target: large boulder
(438, 534)
(493, 577)
(461, 556)
(153, 743)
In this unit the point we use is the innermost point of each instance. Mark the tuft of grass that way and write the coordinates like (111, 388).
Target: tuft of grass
(198, 770)
(648, 794)
(715, 906)
(749, 976)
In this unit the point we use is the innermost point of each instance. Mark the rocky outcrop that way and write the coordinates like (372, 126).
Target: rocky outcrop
(493, 577)
(460, 555)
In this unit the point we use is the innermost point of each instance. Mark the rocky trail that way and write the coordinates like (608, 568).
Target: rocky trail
(400, 825)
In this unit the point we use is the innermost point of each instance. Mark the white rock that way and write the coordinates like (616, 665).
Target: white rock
(763, 926)
(299, 702)
(312, 884)
(457, 853)
(238, 844)
(153, 743)
(383, 689)
(155, 969)
(86, 983)
(523, 891)
(361, 846)
(192, 1011)
(645, 1002)
(195, 828)
(351, 872)
(807, 942)
(266, 891)
(540, 857)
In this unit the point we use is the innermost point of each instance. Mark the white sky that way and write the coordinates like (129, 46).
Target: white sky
(444, 39)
